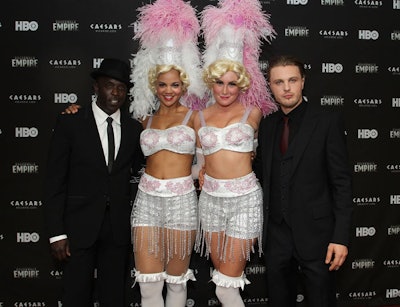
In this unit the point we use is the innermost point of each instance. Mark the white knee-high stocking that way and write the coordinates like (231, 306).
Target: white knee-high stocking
(227, 289)
(151, 286)
(176, 289)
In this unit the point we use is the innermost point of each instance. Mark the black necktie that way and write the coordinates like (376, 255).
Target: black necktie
(285, 135)
(111, 149)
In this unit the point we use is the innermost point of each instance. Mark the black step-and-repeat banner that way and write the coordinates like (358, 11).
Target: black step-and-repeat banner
(351, 50)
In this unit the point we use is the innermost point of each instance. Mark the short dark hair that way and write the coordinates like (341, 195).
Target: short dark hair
(285, 60)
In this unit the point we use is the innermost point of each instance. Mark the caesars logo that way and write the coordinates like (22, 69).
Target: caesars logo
(255, 300)
(26, 204)
(332, 2)
(368, 3)
(333, 34)
(395, 70)
(391, 263)
(66, 63)
(362, 295)
(23, 25)
(25, 98)
(29, 304)
(393, 168)
(65, 25)
(366, 201)
(365, 232)
(368, 102)
(105, 27)
(56, 274)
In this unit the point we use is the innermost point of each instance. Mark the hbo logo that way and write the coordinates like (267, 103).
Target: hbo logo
(97, 62)
(365, 231)
(26, 26)
(26, 237)
(297, 2)
(367, 133)
(368, 34)
(25, 132)
(65, 98)
(332, 68)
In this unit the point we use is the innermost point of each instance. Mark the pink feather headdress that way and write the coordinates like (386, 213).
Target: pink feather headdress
(234, 30)
(167, 31)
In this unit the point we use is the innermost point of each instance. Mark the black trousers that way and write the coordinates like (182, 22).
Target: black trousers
(285, 266)
(111, 261)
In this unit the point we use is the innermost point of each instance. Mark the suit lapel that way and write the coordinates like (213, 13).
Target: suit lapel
(270, 133)
(303, 137)
(125, 139)
(94, 142)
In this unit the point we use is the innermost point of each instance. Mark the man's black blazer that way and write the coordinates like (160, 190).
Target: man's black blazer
(78, 185)
(320, 191)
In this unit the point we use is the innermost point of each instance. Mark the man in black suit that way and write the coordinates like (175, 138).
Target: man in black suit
(88, 192)
(307, 191)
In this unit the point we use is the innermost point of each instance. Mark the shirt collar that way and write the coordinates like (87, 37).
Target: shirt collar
(297, 112)
(100, 116)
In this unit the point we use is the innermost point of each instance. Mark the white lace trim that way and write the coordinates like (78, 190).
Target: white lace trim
(181, 279)
(229, 282)
(230, 187)
(154, 277)
(166, 187)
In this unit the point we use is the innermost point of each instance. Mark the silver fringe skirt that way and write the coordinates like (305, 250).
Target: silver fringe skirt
(230, 208)
(165, 210)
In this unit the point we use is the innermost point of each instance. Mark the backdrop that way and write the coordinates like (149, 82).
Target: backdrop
(351, 53)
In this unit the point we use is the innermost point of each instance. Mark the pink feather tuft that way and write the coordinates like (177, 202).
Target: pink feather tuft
(252, 25)
(246, 15)
(175, 19)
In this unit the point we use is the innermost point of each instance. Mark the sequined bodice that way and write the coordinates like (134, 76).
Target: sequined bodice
(179, 139)
(237, 137)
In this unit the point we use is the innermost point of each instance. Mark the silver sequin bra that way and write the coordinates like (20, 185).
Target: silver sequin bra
(179, 139)
(235, 137)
